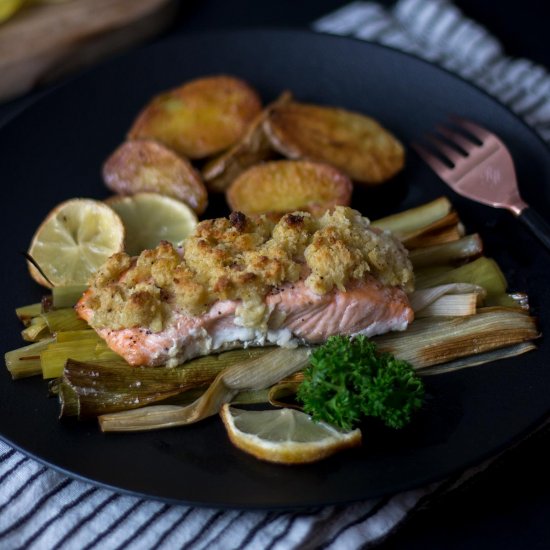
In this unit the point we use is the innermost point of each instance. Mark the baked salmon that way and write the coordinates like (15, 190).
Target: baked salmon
(297, 315)
(222, 292)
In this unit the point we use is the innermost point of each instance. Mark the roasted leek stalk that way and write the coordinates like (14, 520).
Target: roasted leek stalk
(447, 253)
(91, 389)
(410, 223)
(434, 341)
(256, 374)
(25, 361)
(483, 272)
(54, 357)
(66, 296)
(26, 313)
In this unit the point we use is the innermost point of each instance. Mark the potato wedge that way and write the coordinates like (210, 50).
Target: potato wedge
(147, 166)
(282, 186)
(252, 148)
(354, 143)
(200, 118)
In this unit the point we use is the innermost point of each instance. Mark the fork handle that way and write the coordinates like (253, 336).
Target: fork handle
(537, 224)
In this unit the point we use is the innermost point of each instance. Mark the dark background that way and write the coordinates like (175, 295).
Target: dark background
(507, 506)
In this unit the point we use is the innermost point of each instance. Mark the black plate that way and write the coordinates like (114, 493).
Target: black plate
(54, 151)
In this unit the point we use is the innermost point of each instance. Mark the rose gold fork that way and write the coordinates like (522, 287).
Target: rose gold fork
(481, 171)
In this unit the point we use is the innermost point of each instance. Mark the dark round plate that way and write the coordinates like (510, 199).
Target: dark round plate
(54, 151)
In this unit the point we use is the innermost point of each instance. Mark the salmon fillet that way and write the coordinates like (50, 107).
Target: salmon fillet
(241, 281)
(296, 315)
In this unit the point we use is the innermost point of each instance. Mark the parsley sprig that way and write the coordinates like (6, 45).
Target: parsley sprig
(348, 379)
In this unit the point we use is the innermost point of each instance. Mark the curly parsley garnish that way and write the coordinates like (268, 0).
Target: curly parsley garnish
(348, 380)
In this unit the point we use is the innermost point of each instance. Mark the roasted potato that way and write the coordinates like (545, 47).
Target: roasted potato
(283, 186)
(354, 143)
(252, 148)
(201, 118)
(147, 166)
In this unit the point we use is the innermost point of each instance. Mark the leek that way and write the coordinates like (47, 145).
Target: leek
(25, 361)
(105, 387)
(434, 340)
(454, 305)
(415, 220)
(437, 235)
(481, 358)
(483, 272)
(26, 313)
(78, 335)
(36, 330)
(461, 249)
(63, 319)
(54, 357)
(255, 374)
(66, 296)
(421, 299)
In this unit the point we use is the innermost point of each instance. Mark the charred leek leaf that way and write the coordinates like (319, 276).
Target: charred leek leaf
(92, 389)
(480, 358)
(433, 340)
(251, 375)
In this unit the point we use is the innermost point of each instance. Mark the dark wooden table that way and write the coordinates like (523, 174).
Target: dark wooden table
(508, 506)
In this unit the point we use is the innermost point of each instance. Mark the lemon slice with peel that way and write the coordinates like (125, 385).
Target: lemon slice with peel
(286, 436)
(8, 8)
(150, 218)
(73, 241)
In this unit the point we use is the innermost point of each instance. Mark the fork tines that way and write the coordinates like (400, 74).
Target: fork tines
(450, 145)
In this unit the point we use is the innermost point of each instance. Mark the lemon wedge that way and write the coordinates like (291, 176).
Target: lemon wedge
(286, 436)
(150, 218)
(73, 241)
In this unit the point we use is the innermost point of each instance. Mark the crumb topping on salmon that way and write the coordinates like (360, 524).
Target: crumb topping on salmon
(244, 259)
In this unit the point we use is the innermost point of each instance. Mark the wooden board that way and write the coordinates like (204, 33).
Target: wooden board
(43, 42)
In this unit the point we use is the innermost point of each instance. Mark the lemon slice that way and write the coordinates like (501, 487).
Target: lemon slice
(8, 8)
(73, 241)
(150, 218)
(285, 436)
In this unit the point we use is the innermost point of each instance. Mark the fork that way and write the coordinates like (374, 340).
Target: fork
(480, 167)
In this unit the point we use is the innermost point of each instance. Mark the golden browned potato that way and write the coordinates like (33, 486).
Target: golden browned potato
(252, 148)
(354, 143)
(147, 166)
(283, 186)
(201, 118)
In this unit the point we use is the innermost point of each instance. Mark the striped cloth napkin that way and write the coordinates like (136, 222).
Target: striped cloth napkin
(41, 508)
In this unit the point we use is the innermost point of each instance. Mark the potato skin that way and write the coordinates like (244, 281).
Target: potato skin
(352, 142)
(252, 148)
(282, 186)
(147, 166)
(200, 118)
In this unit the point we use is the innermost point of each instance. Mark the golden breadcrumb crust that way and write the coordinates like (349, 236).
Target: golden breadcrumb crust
(241, 258)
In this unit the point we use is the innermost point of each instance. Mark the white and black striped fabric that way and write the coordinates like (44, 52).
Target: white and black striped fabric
(42, 509)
